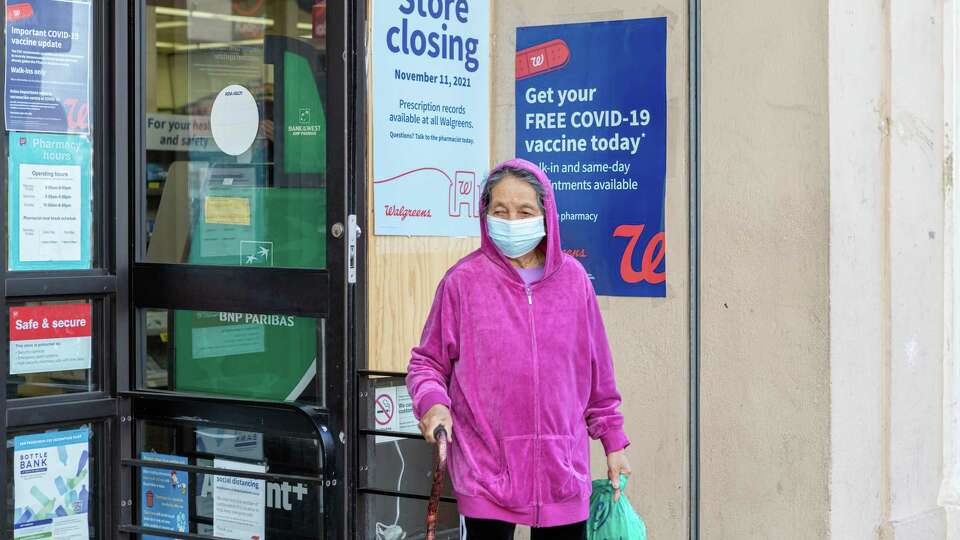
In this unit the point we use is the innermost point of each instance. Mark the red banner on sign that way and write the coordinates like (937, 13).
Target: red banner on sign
(18, 12)
(542, 58)
(29, 323)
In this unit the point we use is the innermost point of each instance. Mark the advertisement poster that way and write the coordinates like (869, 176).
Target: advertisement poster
(50, 217)
(431, 106)
(591, 111)
(47, 75)
(51, 485)
(164, 496)
(48, 338)
(239, 509)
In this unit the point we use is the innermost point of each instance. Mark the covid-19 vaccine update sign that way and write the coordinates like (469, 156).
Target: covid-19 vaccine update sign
(48, 65)
(591, 111)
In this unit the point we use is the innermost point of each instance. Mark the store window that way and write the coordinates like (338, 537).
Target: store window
(53, 348)
(252, 355)
(235, 133)
(289, 505)
(399, 474)
(50, 133)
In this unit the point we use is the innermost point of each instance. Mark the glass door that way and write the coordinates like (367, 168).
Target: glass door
(238, 280)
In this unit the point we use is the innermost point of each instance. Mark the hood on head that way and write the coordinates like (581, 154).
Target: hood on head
(550, 244)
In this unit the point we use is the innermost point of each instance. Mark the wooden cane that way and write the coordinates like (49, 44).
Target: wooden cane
(439, 466)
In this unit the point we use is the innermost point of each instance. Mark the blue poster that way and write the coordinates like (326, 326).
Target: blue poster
(164, 496)
(592, 112)
(49, 201)
(47, 70)
(51, 485)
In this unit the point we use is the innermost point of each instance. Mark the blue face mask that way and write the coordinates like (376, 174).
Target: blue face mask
(518, 237)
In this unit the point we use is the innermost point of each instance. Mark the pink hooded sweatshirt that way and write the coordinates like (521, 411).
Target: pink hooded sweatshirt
(527, 374)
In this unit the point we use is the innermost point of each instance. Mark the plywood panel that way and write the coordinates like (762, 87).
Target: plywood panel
(402, 277)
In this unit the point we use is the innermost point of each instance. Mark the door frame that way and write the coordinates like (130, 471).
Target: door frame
(319, 293)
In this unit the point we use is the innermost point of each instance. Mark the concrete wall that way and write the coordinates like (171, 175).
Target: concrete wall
(915, 262)
(765, 313)
(887, 268)
(859, 183)
(651, 360)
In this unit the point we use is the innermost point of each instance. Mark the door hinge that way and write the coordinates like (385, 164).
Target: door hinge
(353, 231)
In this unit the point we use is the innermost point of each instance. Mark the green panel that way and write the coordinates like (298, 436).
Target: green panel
(305, 135)
(255, 356)
(290, 223)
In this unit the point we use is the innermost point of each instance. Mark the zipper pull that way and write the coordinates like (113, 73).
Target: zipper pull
(529, 295)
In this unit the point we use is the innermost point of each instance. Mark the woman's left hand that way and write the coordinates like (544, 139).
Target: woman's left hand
(617, 464)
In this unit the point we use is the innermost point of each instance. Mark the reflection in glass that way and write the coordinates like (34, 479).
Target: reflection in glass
(404, 465)
(236, 133)
(392, 517)
(248, 355)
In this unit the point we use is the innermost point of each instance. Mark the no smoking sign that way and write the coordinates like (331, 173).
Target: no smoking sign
(393, 411)
(385, 409)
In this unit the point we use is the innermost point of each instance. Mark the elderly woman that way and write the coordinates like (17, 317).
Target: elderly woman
(514, 363)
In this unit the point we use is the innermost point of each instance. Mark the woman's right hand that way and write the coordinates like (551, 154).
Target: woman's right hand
(438, 415)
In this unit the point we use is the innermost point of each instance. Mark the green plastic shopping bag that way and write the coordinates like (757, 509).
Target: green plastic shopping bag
(611, 520)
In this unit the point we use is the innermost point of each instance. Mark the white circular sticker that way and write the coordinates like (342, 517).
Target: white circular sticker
(234, 120)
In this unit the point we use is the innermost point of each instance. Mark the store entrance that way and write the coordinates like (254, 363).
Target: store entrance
(237, 403)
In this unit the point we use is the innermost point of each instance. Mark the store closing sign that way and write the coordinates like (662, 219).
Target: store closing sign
(431, 108)
(591, 111)
(50, 338)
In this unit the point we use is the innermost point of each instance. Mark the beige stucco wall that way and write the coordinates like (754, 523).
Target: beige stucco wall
(649, 336)
(765, 350)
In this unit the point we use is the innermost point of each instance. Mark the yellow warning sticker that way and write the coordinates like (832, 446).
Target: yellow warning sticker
(227, 210)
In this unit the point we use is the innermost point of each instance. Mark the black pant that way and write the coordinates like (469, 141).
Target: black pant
(489, 529)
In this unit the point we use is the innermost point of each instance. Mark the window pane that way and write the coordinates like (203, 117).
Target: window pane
(393, 517)
(210, 503)
(54, 482)
(249, 355)
(236, 134)
(49, 115)
(404, 465)
(51, 348)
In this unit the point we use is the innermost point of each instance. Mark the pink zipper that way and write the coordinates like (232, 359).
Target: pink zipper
(536, 407)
